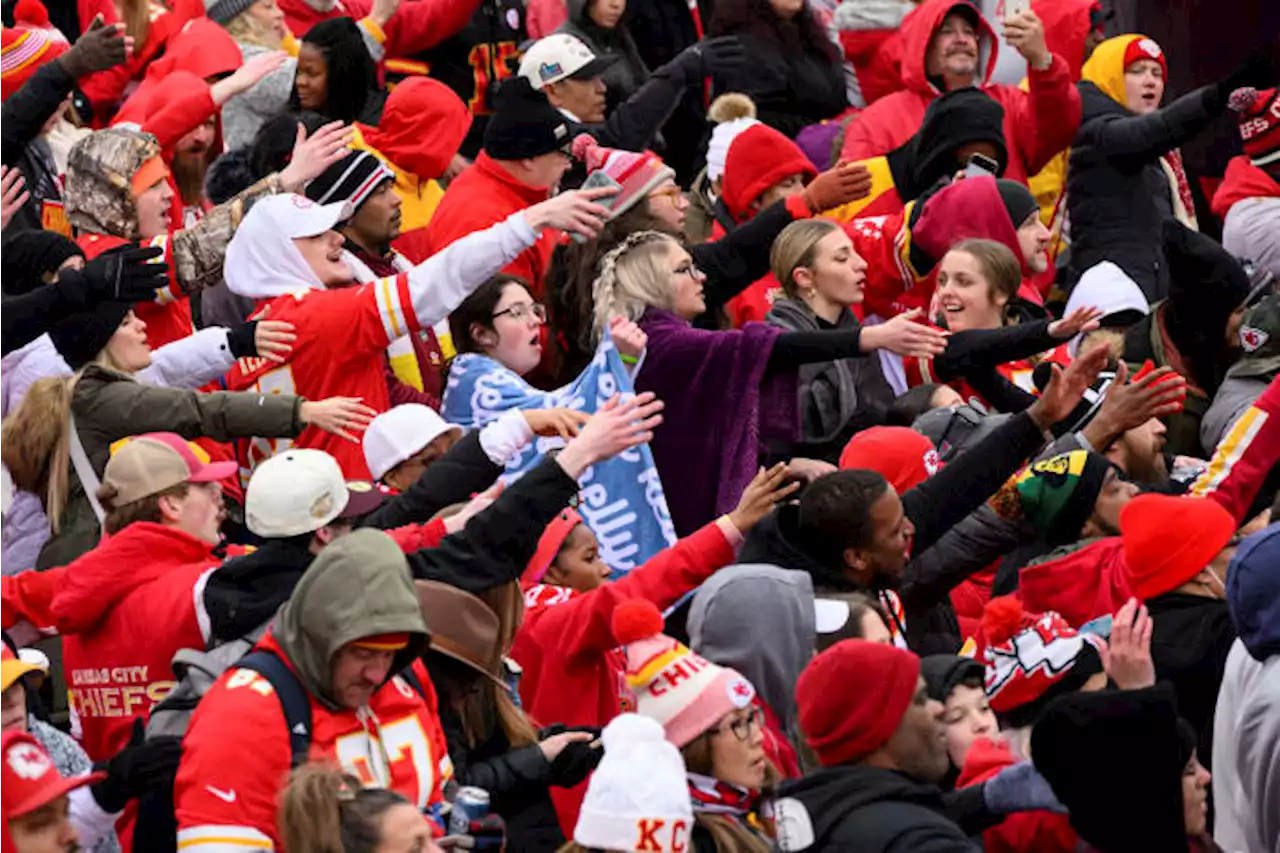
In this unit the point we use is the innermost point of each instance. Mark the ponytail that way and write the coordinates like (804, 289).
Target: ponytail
(34, 444)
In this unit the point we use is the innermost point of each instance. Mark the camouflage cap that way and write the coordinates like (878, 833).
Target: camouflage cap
(100, 170)
(1259, 341)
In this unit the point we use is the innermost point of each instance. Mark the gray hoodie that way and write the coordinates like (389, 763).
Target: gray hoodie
(759, 620)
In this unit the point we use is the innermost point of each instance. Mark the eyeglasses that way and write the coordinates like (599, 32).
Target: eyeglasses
(688, 268)
(672, 193)
(742, 726)
(523, 310)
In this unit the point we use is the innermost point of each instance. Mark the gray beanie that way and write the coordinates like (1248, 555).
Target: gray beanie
(225, 11)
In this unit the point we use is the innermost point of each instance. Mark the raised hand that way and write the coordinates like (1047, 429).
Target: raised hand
(1129, 405)
(1127, 656)
(341, 416)
(1025, 33)
(565, 423)
(1083, 319)
(629, 339)
(13, 193)
(836, 186)
(100, 47)
(904, 336)
(313, 154)
(575, 211)
(247, 76)
(768, 487)
(473, 507)
(615, 427)
(1067, 387)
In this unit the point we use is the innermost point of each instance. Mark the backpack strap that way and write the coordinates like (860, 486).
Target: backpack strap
(84, 469)
(293, 699)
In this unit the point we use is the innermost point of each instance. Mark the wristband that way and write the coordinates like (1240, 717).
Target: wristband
(628, 359)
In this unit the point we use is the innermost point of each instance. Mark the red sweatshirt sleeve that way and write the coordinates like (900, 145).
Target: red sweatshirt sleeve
(1245, 456)
(581, 626)
(1047, 116)
(29, 596)
(415, 537)
(420, 25)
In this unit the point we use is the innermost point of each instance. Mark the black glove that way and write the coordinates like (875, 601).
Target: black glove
(575, 763)
(142, 766)
(124, 275)
(1261, 70)
(98, 48)
(709, 57)
(241, 341)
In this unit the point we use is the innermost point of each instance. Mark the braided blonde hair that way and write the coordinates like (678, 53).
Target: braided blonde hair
(632, 277)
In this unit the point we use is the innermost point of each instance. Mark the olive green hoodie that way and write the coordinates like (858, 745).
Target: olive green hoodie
(358, 587)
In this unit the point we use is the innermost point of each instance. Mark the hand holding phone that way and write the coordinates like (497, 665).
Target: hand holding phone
(595, 180)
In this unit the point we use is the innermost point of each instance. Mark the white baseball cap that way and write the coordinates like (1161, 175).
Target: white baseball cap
(294, 215)
(301, 490)
(399, 433)
(557, 57)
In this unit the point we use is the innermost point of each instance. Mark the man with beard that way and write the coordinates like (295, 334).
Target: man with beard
(414, 361)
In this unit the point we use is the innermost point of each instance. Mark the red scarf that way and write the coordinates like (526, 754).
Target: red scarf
(1174, 159)
(711, 796)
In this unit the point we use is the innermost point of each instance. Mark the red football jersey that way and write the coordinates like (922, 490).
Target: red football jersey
(342, 336)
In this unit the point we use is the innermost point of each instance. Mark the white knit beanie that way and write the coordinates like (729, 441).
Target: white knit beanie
(722, 137)
(639, 796)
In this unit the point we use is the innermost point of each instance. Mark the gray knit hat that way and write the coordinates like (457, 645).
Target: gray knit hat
(225, 11)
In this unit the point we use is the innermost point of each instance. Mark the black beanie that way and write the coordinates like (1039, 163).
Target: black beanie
(942, 673)
(1115, 759)
(353, 179)
(30, 255)
(1018, 201)
(524, 124)
(80, 337)
(952, 120)
(1205, 282)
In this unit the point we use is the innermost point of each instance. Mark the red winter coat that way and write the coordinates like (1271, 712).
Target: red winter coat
(1037, 123)
(416, 26)
(116, 650)
(572, 671)
(485, 194)
(235, 757)
(876, 56)
(1242, 180)
(1021, 832)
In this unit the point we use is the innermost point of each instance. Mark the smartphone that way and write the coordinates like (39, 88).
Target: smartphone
(1014, 8)
(593, 181)
(981, 165)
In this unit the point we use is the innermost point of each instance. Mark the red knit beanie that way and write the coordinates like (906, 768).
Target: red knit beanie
(1168, 540)
(901, 455)
(1146, 48)
(758, 158)
(1259, 123)
(851, 698)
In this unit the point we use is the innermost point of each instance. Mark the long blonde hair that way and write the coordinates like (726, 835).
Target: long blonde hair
(246, 29)
(632, 277)
(35, 443)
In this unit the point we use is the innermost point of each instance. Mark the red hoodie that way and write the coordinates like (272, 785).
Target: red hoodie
(416, 26)
(573, 673)
(117, 653)
(1022, 832)
(1083, 582)
(1242, 180)
(1067, 23)
(1037, 124)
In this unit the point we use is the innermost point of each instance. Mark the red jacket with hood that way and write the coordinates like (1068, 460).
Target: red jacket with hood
(485, 194)
(1037, 123)
(1242, 180)
(416, 26)
(1091, 581)
(1021, 832)
(572, 671)
(116, 653)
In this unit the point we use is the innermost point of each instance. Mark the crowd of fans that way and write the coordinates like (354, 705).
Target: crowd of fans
(573, 425)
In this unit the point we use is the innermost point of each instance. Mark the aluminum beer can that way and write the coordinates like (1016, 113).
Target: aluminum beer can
(469, 804)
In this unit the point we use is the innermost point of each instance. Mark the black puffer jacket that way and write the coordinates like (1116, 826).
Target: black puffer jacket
(791, 91)
(1117, 191)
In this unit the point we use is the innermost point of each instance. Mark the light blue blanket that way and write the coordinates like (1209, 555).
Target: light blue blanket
(622, 499)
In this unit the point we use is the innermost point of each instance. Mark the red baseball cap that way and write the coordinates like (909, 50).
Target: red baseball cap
(148, 464)
(28, 779)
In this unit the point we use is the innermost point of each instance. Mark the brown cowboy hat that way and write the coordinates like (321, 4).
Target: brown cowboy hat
(463, 627)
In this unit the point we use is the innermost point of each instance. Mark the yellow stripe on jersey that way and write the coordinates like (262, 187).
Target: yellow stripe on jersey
(1230, 450)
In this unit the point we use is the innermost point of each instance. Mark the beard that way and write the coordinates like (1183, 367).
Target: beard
(189, 169)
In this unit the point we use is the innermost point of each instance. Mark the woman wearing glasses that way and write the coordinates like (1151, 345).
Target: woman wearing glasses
(712, 714)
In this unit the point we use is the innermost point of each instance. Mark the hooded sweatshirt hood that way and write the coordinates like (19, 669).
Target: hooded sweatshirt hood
(917, 31)
(778, 604)
(1253, 592)
(1107, 287)
(100, 168)
(262, 260)
(1067, 23)
(1105, 68)
(358, 587)
(201, 48)
(968, 208)
(417, 103)
(1080, 582)
(951, 120)
(775, 541)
